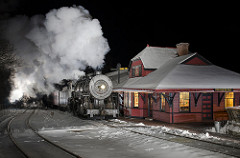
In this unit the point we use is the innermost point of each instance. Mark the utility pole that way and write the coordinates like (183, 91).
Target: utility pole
(118, 69)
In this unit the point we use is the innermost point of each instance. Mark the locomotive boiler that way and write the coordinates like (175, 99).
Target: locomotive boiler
(92, 97)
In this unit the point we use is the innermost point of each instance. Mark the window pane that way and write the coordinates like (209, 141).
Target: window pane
(135, 99)
(137, 71)
(184, 101)
(229, 99)
(129, 99)
(125, 99)
(162, 102)
(133, 72)
(140, 70)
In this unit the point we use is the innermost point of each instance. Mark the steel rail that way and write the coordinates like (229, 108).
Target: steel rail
(47, 140)
(179, 136)
(11, 137)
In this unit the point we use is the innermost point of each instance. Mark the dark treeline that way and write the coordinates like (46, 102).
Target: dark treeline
(7, 63)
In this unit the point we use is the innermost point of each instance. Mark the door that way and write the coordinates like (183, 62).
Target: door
(207, 106)
(150, 104)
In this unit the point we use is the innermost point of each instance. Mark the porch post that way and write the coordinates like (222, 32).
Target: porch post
(172, 114)
(169, 98)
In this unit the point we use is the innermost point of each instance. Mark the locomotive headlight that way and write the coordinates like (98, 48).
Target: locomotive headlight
(100, 86)
(103, 87)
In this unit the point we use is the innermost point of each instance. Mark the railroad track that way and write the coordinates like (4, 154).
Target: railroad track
(188, 141)
(7, 148)
(35, 145)
(10, 134)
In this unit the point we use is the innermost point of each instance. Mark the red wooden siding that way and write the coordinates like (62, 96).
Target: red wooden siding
(207, 106)
(145, 72)
(219, 112)
(141, 111)
(237, 99)
(160, 115)
(196, 60)
(196, 113)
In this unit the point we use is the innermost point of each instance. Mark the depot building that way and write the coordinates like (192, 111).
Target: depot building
(174, 85)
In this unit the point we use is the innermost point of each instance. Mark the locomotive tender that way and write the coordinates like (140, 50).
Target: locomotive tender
(90, 96)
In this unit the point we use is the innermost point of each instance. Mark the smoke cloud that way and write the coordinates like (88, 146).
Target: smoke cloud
(53, 47)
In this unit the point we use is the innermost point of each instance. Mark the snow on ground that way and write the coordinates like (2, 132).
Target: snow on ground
(105, 141)
(159, 130)
(163, 129)
(127, 123)
(94, 139)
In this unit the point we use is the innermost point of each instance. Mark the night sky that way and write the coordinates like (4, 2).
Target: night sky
(213, 30)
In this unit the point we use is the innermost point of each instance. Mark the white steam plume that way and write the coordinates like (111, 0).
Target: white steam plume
(53, 47)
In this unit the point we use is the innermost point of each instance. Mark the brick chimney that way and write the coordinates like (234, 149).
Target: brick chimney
(182, 48)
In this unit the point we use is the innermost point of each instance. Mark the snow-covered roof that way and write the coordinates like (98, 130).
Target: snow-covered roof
(191, 76)
(114, 78)
(154, 57)
(175, 75)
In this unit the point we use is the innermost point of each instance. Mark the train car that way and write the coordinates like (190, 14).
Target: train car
(60, 98)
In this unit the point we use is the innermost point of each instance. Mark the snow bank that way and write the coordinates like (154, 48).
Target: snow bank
(118, 121)
(127, 123)
(164, 129)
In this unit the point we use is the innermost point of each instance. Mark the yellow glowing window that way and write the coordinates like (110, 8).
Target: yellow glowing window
(125, 101)
(162, 102)
(135, 99)
(184, 101)
(229, 99)
(136, 71)
(129, 100)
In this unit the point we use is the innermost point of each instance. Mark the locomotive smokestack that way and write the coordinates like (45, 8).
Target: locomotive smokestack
(98, 72)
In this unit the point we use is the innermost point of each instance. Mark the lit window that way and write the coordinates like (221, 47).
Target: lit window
(162, 102)
(136, 99)
(136, 71)
(125, 101)
(184, 101)
(150, 101)
(229, 99)
(129, 100)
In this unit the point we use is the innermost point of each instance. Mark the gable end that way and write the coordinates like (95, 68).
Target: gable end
(196, 60)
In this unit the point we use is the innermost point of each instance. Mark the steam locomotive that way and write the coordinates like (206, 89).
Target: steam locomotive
(90, 96)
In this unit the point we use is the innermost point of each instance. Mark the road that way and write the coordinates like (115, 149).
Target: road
(91, 139)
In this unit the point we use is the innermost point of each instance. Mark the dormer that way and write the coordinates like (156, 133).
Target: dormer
(150, 59)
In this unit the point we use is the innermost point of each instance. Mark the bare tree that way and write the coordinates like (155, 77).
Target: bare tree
(7, 58)
(8, 61)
